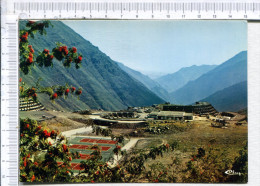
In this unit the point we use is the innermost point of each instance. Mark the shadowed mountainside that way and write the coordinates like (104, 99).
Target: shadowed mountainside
(104, 84)
(148, 82)
(225, 75)
(233, 98)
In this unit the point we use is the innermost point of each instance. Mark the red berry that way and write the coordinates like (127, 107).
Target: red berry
(39, 128)
(55, 95)
(34, 95)
(52, 132)
(30, 46)
(24, 38)
(51, 56)
(80, 58)
(31, 50)
(35, 163)
(30, 60)
(33, 178)
(46, 51)
(20, 80)
(45, 132)
(74, 49)
(73, 89)
(80, 91)
(30, 55)
(27, 126)
(24, 163)
(50, 143)
(64, 147)
(67, 91)
(70, 158)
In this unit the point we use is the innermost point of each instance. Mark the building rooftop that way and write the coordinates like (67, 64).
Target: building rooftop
(171, 113)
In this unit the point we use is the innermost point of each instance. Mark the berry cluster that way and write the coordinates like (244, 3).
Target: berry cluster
(24, 37)
(31, 49)
(31, 92)
(36, 140)
(45, 58)
(30, 58)
(60, 52)
(60, 91)
(78, 92)
(47, 54)
(34, 26)
(74, 49)
(79, 59)
(68, 55)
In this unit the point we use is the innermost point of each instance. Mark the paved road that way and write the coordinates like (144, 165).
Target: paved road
(127, 147)
(119, 121)
(69, 133)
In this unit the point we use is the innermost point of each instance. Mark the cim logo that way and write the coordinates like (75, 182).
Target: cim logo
(232, 172)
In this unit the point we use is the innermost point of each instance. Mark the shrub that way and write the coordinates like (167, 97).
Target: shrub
(40, 152)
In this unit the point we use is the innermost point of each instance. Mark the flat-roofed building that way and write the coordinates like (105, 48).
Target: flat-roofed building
(170, 115)
(197, 108)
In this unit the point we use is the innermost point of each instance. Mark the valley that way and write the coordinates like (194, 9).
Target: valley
(102, 121)
(142, 132)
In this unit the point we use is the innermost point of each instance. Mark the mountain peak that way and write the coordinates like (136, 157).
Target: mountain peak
(232, 71)
(174, 81)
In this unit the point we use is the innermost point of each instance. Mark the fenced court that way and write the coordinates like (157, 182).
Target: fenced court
(83, 146)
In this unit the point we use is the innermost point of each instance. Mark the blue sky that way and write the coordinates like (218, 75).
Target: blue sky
(162, 47)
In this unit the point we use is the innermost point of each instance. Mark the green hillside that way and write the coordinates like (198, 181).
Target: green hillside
(105, 85)
(233, 98)
(225, 75)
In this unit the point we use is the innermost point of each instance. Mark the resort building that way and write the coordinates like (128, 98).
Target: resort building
(170, 115)
(198, 108)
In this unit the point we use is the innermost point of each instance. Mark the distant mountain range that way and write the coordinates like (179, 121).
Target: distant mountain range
(229, 73)
(233, 98)
(147, 81)
(174, 81)
(105, 85)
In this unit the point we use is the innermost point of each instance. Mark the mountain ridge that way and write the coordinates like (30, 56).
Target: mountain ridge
(105, 85)
(147, 81)
(233, 98)
(232, 71)
(174, 81)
